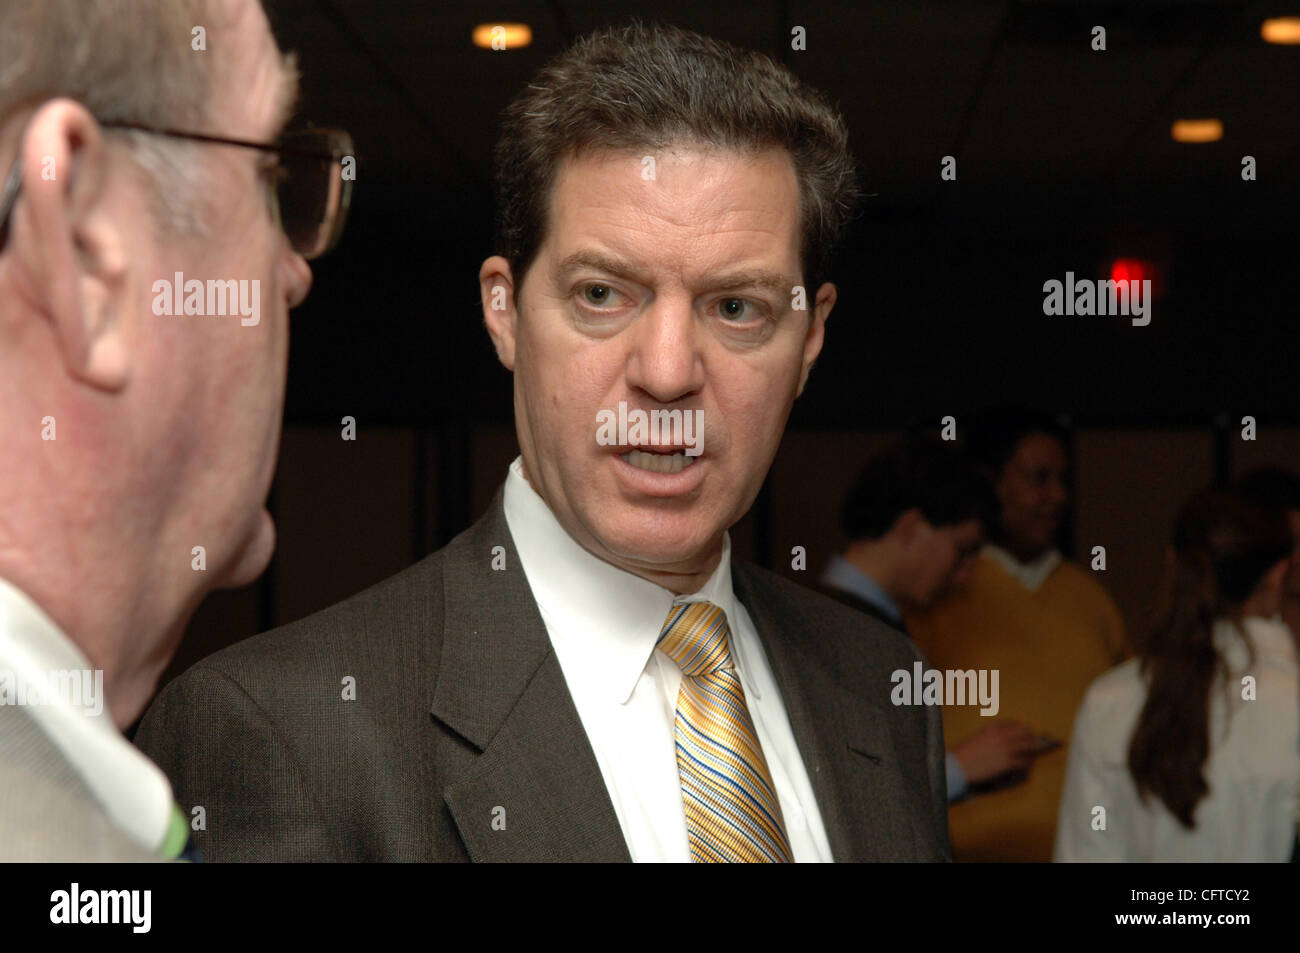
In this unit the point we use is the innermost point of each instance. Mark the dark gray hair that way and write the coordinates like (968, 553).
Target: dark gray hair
(648, 86)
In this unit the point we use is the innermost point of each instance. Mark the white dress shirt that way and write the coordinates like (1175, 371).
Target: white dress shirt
(603, 624)
(1253, 769)
(1032, 574)
(131, 789)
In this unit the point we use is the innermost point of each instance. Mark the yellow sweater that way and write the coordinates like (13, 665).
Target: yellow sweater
(1047, 645)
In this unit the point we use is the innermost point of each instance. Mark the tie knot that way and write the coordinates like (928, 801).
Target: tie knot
(695, 637)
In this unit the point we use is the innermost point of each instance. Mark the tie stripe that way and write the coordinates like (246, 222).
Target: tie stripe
(732, 812)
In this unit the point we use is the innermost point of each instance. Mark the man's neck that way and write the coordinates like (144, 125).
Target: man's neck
(1023, 553)
(107, 622)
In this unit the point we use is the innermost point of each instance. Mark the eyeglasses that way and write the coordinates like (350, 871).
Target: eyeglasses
(310, 194)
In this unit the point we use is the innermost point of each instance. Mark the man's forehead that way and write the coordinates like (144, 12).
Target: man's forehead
(677, 163)
(287, 88)
(607, 201)
(725, 275)
(1039, 445)
(263, 79)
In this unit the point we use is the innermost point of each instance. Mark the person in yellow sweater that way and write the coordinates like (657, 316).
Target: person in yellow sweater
(1042, 622)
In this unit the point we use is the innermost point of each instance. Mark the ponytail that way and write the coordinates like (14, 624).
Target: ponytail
(1223, 547)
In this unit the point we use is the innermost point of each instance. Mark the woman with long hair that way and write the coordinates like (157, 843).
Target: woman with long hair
(1191, 750)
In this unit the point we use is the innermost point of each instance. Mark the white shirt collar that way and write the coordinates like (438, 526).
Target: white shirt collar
(1032, 574)
(845, 576)
(611, 616)
(1269, 638)
(132, 790)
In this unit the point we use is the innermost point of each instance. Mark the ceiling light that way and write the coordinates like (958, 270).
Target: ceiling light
(502, 36)
(1281, 30)
(1197, 130)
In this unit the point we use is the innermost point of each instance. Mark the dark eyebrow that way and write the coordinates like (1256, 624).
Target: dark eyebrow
(736, 281)
(597, 262)
(767, 280)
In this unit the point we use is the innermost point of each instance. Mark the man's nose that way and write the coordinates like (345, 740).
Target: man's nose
(297, 278)
(1058, 492)
(665, 360)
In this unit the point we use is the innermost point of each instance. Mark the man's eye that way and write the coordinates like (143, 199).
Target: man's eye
(598, 295)
(735, 309)
(272, 175)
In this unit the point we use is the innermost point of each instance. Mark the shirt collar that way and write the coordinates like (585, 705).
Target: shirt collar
(1032, 574)
(844, 575)
(1268, 638)
(132, 790)
(603, 615)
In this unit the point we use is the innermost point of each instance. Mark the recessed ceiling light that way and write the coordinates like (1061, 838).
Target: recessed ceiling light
(1281, 30)
(502, 36)
(1197, 130)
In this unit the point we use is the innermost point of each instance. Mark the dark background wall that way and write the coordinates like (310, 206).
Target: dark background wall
(1064, 161)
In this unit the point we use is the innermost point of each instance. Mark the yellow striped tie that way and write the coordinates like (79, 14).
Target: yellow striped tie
(732, 814)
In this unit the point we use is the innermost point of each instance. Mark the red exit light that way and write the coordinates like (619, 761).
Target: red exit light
(1131, 269)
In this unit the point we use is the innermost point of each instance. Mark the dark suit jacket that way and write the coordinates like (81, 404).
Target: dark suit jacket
(462, 715)
(855, 601)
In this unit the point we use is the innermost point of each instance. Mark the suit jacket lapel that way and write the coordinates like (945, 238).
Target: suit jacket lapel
(844, 739)
(535, 791)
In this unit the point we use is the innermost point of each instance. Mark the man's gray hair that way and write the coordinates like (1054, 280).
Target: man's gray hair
(124, 60)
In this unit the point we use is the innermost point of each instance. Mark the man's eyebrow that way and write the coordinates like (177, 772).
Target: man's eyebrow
(596, 261)
(767, 280)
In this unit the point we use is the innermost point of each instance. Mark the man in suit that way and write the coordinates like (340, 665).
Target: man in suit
(915, 520)
(131, 438)
(584, 674)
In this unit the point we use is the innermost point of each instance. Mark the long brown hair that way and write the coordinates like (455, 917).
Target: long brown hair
(1223, 548)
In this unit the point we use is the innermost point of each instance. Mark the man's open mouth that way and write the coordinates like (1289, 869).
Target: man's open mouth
(657, 462)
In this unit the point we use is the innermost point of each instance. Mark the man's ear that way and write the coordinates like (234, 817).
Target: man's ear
(812, 342)
(908, 524)
(497, 290)
(69, 250)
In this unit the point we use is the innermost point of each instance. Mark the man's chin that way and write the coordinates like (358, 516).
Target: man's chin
(661, 550)
(254, 556)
